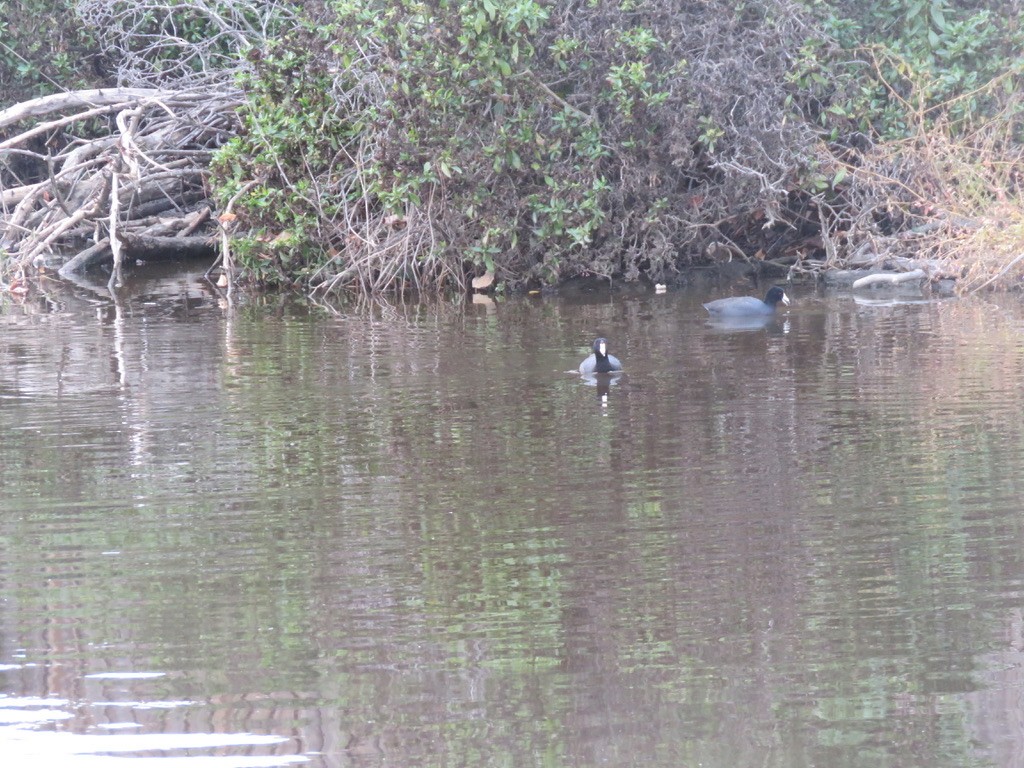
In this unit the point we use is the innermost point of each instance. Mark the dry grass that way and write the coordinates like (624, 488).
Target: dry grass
(949, 198)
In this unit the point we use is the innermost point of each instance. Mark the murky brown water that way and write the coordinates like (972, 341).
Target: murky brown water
(408, 536)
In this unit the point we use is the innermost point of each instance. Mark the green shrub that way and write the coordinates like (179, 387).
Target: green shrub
(44, 48)
(536, 141)
(925, 60)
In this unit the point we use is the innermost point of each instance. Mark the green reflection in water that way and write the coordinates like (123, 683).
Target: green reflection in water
(414, 539)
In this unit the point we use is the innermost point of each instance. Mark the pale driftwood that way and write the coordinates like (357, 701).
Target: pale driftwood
(54, 231)
(55, 124)
(165, 204)
(890, 278)
(117, 252)
(107, 190)
(198, 219)
(171, 226)
(99, 98)
(9, 197)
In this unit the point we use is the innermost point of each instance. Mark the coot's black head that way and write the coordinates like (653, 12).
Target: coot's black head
(775, 295)
(601, 361)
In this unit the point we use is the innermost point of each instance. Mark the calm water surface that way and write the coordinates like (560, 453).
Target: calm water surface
(408, 535)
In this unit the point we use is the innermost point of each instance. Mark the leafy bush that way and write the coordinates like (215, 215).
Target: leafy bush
(284, 166)
(417, 142)
(923, 117)
(925, 58)
(182, 44)
(536, 141)
(44, 48)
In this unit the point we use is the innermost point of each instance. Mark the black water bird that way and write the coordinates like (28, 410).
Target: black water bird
(600, 361)
(748, 306)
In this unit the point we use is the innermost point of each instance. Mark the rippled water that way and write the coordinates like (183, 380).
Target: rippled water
(409, 534)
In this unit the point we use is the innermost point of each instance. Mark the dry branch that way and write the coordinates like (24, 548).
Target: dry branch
(95, 192)
(97, 100)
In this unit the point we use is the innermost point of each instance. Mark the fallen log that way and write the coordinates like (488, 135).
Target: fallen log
(170, 226)
(156, 248)
(90, 257)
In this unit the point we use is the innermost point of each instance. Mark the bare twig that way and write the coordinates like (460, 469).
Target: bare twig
(157, 161)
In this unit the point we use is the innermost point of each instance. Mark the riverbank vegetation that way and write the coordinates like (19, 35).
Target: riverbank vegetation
(378, 144)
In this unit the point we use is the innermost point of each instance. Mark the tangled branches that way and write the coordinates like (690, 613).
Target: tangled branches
(139, 188)
(391, 143)
(123, 172)
(162, 43)
(532, 141)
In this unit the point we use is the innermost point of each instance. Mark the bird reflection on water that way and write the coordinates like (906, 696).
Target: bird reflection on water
(603, 382)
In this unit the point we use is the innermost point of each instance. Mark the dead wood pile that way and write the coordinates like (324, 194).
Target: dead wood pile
(110, 175)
